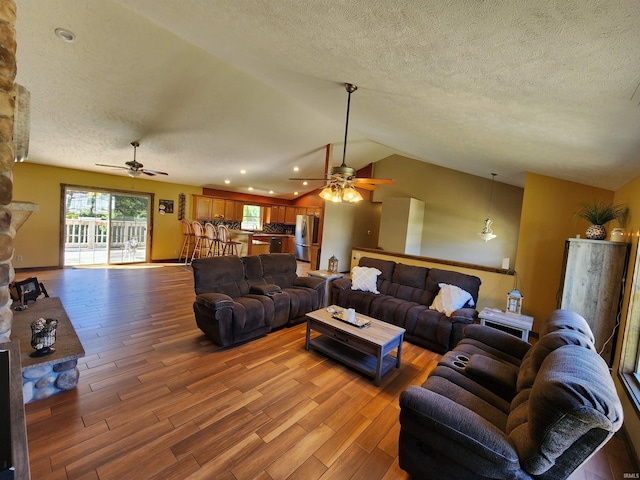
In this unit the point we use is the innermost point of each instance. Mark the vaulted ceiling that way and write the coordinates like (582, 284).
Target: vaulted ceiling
(210, 88)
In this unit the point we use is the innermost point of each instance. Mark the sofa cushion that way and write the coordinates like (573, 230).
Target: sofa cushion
(279, 268)
(572, 395)
(468, 283)
(386, 268)
(365, 279)
(408, 283)
(567, 320)
(451, 298)
(220, 275)
(535, 356)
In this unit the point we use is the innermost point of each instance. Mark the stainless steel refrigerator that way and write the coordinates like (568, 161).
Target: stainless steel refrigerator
(306, 236)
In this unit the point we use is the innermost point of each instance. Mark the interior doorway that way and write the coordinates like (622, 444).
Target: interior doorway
(105, 226)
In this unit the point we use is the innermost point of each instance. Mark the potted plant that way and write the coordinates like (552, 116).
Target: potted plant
(599, 214)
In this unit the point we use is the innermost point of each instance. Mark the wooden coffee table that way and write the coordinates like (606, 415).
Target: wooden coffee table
(366, 349)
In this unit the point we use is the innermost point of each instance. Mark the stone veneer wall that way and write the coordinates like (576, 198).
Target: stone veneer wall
(7, 107)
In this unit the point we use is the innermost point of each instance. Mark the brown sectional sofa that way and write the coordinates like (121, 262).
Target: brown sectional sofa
(242, 298)
(406, 292)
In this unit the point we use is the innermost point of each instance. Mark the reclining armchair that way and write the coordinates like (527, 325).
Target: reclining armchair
(497, 408)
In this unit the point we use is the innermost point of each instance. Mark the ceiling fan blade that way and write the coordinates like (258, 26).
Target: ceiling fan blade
(153, 172)
(374, 181)
(111, 166)
(364, 186)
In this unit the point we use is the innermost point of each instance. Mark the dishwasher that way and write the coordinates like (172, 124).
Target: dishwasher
(275, 245)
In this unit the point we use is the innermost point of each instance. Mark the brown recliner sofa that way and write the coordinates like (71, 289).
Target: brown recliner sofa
(496, 407)
(406, 293)
(242, 298)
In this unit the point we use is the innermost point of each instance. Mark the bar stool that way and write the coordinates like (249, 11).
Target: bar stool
(187, 233)
(200, 239)
(212, 237)
(229, 247)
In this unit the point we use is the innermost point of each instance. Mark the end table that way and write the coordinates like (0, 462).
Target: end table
(328, 278)
(518, 325)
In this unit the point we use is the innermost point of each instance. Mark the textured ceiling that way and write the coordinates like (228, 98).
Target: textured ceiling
(212, 87)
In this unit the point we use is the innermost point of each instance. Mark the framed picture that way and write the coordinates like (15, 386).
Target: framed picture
(165, 206)
(28, 290)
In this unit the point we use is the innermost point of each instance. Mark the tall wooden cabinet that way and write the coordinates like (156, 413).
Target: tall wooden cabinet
(591, 284)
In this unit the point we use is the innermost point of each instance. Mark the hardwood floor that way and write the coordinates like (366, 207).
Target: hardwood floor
(156, 400)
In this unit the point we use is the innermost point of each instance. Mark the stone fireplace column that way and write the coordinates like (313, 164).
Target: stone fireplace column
(7, 107)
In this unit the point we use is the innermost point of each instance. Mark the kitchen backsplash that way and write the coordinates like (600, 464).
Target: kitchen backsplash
(278, 228)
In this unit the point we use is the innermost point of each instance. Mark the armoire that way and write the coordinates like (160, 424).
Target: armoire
(591, 284)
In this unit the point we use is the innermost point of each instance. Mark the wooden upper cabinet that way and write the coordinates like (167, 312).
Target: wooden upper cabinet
(217, 208)
(238, 211)
(229, 210)
(301, 211)
(290, 215)
(274, 214)
(202, 207)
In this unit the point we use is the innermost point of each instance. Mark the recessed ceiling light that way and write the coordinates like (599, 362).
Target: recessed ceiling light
(243, 172)
(227, 181)
(304, 183)
(270, 191)
(295, 193)
(295, 169)
(250, 188)
(66, 35)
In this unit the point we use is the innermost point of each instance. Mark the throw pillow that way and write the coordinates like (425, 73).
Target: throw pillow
(365, 278)
(450, 298)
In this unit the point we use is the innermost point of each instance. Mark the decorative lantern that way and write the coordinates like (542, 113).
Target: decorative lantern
(514, 302)
(333, 264)
(43, 336)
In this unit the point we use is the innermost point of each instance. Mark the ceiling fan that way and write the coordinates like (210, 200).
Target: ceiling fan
(134, 168)
(342, 179)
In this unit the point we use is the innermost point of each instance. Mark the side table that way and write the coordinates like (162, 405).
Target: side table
(518, 325)
(328, 278)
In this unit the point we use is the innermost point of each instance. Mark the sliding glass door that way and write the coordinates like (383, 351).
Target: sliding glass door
(105, 227)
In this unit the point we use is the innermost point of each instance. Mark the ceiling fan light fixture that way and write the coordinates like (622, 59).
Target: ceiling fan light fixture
(134, 173)
(326, 193)
(351, 195)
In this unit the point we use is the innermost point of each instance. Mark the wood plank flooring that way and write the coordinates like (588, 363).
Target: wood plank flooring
(156, 400)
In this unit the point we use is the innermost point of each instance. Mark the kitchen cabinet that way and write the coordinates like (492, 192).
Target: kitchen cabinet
(217, 208)
(202, 207)
(208, 208)
(290, 215)
(233, 210)
(239, 211)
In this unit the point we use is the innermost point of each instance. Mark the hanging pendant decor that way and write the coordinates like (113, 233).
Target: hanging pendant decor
(487, 234)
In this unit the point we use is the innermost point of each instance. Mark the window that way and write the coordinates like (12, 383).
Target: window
(629, 367)
(251, 217)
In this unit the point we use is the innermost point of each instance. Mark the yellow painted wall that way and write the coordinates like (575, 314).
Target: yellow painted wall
(38, 239)
(546, 222)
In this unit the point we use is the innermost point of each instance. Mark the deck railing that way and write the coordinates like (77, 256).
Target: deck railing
(92, 233)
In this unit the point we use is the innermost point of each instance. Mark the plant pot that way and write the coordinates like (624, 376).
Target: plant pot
(596, 232)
